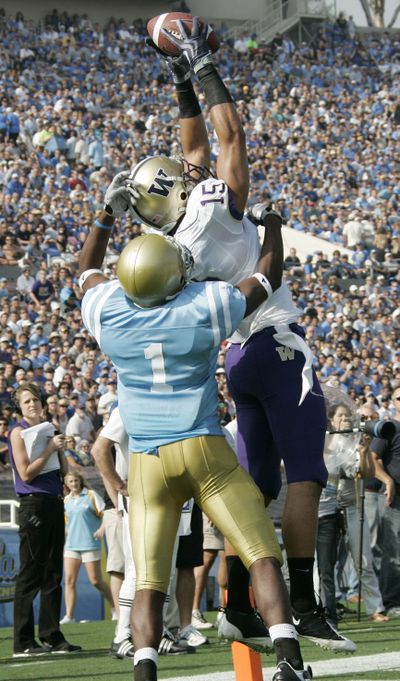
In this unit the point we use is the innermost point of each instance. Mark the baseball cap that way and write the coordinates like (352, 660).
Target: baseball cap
(4, 339)
(43, 342)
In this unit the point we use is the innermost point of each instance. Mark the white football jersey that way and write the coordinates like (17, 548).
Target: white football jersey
(228, 248)
(114, 430)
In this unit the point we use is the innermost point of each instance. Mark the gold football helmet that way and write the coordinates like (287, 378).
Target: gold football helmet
(163, 192)
(153, 269)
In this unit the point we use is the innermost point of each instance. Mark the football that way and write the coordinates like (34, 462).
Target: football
(168, 22)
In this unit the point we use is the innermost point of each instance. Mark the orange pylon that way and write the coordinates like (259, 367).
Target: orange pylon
(246, 662)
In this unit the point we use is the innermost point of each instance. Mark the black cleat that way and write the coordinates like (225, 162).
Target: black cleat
(315, 627)
(285, 672)
(247, 628)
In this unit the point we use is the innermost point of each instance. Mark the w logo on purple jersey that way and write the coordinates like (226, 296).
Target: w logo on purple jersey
(285, 353)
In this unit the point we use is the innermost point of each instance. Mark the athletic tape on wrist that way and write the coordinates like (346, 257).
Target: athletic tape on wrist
(101, 226)
(84, 276)
(188, 103)
(264, 282)
(214, 88)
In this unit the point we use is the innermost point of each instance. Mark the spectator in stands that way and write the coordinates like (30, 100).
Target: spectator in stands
(42, 290)
(83, 512)
(80, 425)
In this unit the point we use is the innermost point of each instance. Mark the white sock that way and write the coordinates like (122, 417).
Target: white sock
(282, 631)
(145, 654)
(126, 596)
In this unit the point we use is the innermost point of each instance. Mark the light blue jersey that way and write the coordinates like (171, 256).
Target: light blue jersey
(82, 520)
(165, 357)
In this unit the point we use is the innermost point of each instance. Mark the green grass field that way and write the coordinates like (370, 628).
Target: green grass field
(94, 663)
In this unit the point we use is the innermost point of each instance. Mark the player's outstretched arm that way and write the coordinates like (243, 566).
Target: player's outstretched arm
(118, 199)
(232, 164)
(268, 277)
(193, 132)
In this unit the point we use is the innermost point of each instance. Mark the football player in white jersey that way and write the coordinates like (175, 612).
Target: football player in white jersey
(163, 333)
(269, 365)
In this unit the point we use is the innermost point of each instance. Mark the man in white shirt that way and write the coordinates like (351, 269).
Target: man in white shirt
(25, 282)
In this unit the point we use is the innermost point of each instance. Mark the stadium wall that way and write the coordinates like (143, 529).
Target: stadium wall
(231, 10)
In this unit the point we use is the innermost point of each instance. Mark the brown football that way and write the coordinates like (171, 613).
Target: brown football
(168, 22)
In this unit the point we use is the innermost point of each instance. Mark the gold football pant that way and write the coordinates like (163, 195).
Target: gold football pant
(205, 468)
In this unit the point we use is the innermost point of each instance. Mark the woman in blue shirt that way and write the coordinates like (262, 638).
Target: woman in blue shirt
(83, 513)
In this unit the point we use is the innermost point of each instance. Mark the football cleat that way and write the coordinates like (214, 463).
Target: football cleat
(169, 645)
(285, 672)
(315, 627)
(247, 628)
(199, 621)
(122, 649)
(189, 636)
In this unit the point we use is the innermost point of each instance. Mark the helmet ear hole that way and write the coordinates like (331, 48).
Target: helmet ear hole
(183, 196)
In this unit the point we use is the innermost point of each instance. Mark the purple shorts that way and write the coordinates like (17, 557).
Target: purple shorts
(271, 425)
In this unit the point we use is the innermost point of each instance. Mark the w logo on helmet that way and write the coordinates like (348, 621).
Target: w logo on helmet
(162, 184)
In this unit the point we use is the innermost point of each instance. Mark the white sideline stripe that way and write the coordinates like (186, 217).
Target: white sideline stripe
(334, 667)
(28, 664)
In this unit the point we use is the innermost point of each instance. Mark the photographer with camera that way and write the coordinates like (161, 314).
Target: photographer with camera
(386, 457)
(374, 499)
(352, 463)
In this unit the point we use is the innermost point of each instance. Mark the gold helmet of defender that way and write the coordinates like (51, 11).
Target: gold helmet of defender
(153, 268)
(163, 192)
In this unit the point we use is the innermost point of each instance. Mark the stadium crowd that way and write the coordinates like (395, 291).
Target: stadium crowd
(322, 125)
